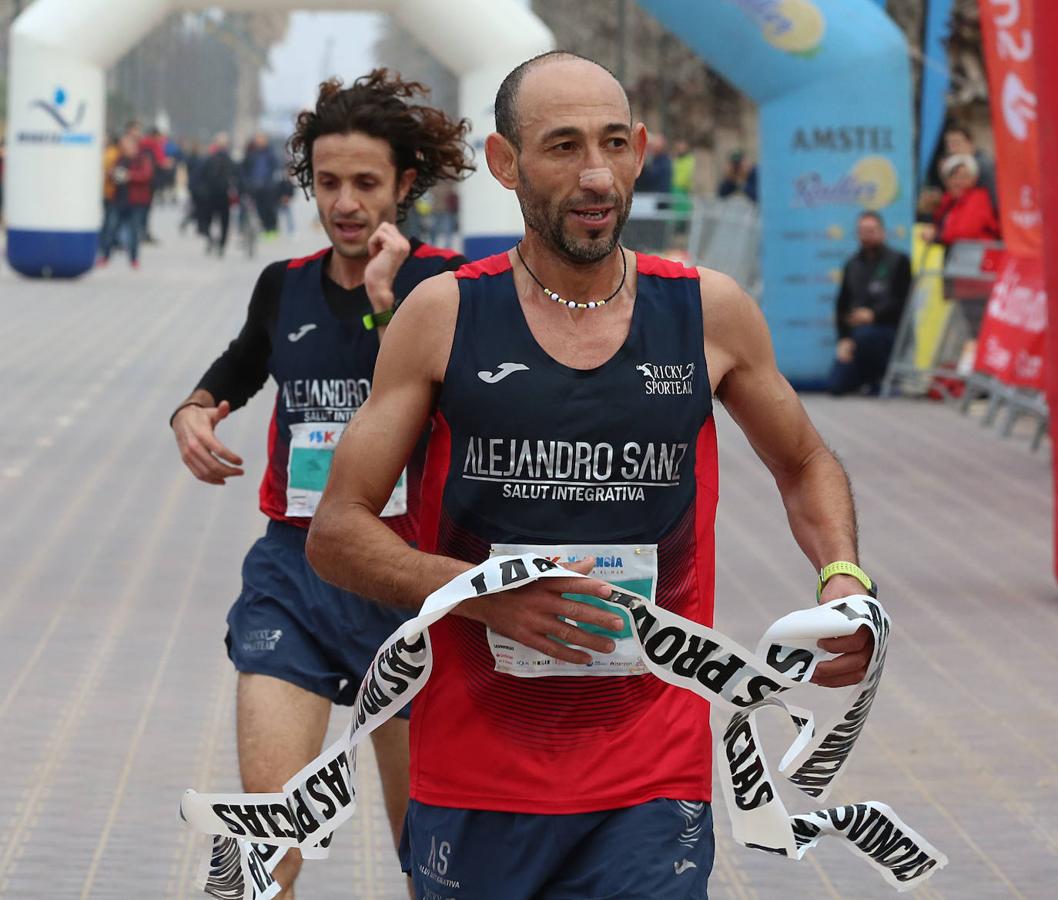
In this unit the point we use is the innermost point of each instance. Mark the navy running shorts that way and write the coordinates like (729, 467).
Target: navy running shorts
(291, 624)
(659, 850)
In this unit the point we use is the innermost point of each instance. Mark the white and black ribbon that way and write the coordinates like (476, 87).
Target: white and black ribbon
(234, 869)
(322, 796)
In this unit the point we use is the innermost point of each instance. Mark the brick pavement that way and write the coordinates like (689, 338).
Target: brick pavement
(115, 693)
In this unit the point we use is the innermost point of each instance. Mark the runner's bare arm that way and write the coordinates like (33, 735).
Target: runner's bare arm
(194, 424)
(388, 249)
(814, 487)
(351, 547)
(745, 379)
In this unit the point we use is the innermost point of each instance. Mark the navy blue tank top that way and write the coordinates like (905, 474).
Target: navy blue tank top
(323, 366)
(527, 451)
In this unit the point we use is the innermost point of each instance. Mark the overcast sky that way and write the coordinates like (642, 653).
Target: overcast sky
(317, 45)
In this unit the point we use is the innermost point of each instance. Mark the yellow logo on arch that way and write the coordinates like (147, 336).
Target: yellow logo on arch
(878, 175)
(793, 26)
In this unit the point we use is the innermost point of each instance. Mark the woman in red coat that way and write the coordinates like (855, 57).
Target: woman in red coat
(132, 175)
(965, 212)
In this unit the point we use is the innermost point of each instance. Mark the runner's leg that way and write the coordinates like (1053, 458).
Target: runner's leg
(224, 211)
(391, 750)
(874, 345)
(390, 741)
(844, 377)
(136, 218)
(281, 728)
(351, 628)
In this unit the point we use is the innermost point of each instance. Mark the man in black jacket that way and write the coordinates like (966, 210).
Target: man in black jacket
(217, 184)
(874, 289)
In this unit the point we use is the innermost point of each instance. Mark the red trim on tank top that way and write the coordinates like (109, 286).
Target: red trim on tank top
(305, 260)
(706, 479)
(299, 522)
(425, 251)
(663, 268)
(490, 265)
(434, 477)
(272, 494)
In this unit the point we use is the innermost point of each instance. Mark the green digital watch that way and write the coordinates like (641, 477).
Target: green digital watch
(377, 320)
(843, 567)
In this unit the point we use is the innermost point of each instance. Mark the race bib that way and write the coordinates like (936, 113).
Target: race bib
(397, 505)
(312, 446)
(632, 567)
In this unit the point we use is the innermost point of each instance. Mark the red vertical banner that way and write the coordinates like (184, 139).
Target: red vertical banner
(1011, 345)
(1010, 45)
(1045, 28)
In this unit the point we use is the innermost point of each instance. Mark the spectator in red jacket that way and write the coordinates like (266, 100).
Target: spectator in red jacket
(965, 212)
(131, 174)
(154, 142)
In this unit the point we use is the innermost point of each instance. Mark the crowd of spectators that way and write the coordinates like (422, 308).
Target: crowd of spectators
(960, 202)
(960, 205)
(675, 173)
(740, 178)
(141, 168)
(129, 179)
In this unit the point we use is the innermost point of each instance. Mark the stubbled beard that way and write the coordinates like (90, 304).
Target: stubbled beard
(359, 252)
(549, 221)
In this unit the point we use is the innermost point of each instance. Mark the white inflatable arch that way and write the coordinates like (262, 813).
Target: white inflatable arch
(56, 117)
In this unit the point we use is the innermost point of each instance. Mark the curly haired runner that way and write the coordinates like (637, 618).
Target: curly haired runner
(314, 324)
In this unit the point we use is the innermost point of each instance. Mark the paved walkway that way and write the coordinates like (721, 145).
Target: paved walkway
(115, 693)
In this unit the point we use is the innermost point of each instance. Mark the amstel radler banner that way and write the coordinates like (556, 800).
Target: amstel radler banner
(253, 831)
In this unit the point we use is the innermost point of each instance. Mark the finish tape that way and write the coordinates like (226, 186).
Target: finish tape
(252, 831)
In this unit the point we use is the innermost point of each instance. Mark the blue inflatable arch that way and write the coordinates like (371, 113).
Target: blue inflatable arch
(832, 81)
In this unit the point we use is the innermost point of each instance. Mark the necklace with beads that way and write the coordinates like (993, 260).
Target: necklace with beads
(574, 304)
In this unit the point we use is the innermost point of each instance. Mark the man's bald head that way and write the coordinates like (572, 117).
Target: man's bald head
(507, 119)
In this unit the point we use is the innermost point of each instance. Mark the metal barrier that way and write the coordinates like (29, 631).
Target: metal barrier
(1018, 403)
(968, 274)
(720, 234)
(656, 220)
(903, 374)
(725, 235)
(968, 278)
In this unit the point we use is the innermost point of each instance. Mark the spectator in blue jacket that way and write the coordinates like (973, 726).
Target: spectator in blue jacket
(258, 179)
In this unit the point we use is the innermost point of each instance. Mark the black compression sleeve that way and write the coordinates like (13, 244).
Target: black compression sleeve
(241, 370)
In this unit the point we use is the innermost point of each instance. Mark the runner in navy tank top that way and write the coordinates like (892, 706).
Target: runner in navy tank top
(571, 386)
(314, 326)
